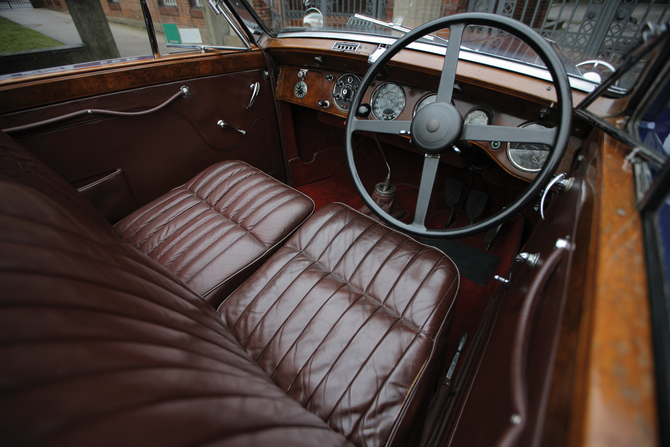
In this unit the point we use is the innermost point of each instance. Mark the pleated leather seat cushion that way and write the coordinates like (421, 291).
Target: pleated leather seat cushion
(215, 230)
(348, 319)
(101, 346)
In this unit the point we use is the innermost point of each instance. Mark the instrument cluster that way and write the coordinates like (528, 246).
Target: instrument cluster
(388, 100)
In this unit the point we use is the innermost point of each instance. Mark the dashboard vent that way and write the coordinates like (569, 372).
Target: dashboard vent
(347, 47)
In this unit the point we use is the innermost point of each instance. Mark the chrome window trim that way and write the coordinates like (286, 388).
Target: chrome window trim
(534, 71)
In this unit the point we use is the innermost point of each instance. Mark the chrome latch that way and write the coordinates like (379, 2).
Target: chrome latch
(530, 259)
(562, 181)
(377, 53)
(502, 279)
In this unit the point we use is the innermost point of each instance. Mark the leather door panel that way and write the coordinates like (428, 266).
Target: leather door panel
(163, 149)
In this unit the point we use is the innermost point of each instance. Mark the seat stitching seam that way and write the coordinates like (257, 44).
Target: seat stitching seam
(297, 253)
(320, 309)
(213, 247)
(260, 292)
(151, 219)
(155, 205)
(274, 336)
(177, 234)
(183, 252)
(390, 374)
(276, 303)
(177, 237)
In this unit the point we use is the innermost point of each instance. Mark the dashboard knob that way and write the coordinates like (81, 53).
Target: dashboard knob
(363, 111)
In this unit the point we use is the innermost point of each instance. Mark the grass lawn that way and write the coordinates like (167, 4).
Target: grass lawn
(14, 37)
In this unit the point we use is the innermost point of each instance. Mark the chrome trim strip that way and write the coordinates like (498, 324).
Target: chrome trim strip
(233, 24)
(466, 54)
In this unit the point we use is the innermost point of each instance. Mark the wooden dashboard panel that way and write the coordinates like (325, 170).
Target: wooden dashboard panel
(321, 81)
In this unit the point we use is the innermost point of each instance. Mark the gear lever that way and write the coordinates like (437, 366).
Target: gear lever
(384, 194)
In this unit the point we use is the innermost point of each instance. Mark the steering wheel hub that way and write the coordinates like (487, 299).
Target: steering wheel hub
(436, 127)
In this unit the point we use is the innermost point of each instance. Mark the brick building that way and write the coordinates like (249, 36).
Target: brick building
(186, 13)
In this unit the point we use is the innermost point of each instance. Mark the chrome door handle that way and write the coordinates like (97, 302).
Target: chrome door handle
(255, 88)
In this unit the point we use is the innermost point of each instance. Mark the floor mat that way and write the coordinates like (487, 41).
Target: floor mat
(474, 264)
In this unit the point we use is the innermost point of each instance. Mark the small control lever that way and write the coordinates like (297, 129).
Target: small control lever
(224, 125)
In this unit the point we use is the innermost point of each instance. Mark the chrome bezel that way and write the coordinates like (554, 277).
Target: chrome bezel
(489, 114)
(421, 101)
(514, 162)
(335, 86)
(373, 99)
(295, 89)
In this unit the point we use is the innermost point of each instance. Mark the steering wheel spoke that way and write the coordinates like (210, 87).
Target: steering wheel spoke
(389, 127)
(446, 88)
(430, 165)
(540, 135)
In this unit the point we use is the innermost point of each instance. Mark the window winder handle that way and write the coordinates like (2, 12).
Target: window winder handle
(221, 124)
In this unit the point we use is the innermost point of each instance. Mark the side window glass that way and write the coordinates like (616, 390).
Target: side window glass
(654, 129)
(193, 24)
(42, 36)
(51, 35)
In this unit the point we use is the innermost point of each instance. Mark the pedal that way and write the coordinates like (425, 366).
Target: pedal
(475, 204)
(452, 194)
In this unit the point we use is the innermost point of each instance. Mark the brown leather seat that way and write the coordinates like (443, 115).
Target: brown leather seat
(215, 230)
(101, 345)
(348, 318)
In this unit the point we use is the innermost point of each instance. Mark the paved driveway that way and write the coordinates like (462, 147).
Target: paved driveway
(130, 40)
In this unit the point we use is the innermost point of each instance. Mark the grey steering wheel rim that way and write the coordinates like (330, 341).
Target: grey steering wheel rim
(557, 138)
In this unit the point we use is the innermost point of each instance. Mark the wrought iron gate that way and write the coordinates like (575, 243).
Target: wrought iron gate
(15, 4)
(590, 29)
(336, 12)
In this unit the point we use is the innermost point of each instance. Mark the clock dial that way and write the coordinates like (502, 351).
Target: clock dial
(300, 89)
(479, 116)
(430, 99)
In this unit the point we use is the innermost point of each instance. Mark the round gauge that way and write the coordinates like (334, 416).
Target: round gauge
(528, 157)
(480, 116)
(388, 101)
(429, 99)
(300, 89)
(344, 90)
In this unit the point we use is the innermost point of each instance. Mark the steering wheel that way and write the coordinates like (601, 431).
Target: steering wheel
(438, 126)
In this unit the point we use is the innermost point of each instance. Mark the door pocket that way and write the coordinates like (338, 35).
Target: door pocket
(110, 193)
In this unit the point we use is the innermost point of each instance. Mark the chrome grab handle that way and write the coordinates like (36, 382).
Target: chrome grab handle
(255, 89)
(223, 125)
(561, 180)
(184, 91)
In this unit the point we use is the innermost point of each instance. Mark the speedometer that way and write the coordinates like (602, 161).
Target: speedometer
(388, 101)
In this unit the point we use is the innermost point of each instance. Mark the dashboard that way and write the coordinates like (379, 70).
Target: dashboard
(400, 93)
